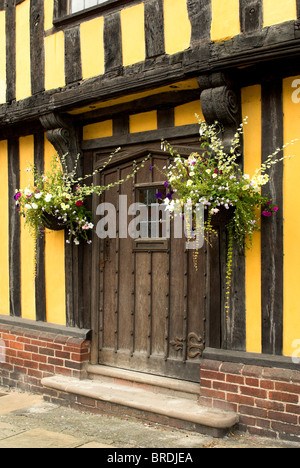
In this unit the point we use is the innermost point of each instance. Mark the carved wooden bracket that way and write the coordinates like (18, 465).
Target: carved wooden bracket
(63, 136)
(220, 100)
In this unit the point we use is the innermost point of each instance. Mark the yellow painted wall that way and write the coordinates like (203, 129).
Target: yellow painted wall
(251, 108)
(54, 61)
(186, 114)
(225, 19)
(92, 58)
(133, 34)
(98, 130)
(278, 11)
(48, 14)
(26, 149)
(4, 231)
(23, 71)
(143, 122)
(177, 26)
(291, 107)
(2, 58)
(54, 264)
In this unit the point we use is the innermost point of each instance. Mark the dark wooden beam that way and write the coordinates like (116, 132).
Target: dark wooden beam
(10, 51)
(14, 229)
(40, 280)
(154, 28)
(37, 56)
(73, 70)
(113, 48)
(272, 228)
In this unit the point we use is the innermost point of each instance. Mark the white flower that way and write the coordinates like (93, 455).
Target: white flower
(28, 207)
(27, 192)
(189, 183)
(214, 211)
(246, 176)
(38, 195)
(48, 197)
(34, 206)
(91, 225)
(76, 242)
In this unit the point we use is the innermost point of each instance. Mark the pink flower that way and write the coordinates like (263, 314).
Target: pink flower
(275, 208)
(267, 214)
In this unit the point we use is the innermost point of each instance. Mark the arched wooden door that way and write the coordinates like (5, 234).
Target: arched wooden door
(150, 301)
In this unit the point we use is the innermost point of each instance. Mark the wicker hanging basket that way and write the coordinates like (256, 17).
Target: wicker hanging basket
(52, 223)
(221, 218)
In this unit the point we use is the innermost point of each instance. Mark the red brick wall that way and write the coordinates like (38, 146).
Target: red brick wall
(266, 399)
(27, 356)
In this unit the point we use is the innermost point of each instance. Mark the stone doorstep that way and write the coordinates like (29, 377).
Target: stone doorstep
(153, 383)
(204, 420)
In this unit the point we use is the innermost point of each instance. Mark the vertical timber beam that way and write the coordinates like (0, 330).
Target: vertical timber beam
(154, 28)
(40, 280)
(221, 101)
(251, 15)
(37, 56)
(14, 229)
(63, 135)
(272, 228)
(10, 51)
(200, 14)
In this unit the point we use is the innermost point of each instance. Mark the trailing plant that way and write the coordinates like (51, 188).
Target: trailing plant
(56, 199)
(214, 179)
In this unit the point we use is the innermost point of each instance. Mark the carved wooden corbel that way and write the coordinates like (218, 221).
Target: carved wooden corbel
(63, 136)
(220, 102)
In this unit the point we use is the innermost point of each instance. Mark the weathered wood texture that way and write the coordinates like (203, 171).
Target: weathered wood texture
(37, 46)
(10, 52)
(73, 71)
(152, 302)
(14, 230)
(272, 228)
(40, 280)
(154, 28)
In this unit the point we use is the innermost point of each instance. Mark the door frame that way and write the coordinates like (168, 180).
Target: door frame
(213, 314)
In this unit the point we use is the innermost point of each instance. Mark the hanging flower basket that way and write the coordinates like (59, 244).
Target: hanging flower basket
(222, 217)
(52, 222)
(56, 200)
(214, 179)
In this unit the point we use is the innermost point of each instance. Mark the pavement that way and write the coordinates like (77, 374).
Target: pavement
(27, 421)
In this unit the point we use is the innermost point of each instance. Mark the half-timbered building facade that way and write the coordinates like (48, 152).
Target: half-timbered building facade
(88, 76)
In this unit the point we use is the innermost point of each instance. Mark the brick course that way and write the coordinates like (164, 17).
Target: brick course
(31, 355)
(266, 399)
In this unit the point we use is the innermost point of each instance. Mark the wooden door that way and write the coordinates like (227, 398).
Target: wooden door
(151, 301)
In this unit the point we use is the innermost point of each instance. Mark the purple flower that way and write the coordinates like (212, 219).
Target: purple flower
(166, 184)
(17, 196)
(151, 168)
(170, 195)
(159, 196)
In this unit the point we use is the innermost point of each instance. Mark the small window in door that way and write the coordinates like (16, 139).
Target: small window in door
(154, 223)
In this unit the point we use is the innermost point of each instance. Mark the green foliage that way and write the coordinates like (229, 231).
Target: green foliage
(214, 179)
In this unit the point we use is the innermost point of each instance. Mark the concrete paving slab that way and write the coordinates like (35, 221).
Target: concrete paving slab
(96, 445)
(39, 438)
(7, 430)
(17, 401)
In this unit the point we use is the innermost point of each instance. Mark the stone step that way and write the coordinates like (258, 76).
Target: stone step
(153, 383)
(173, 411)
